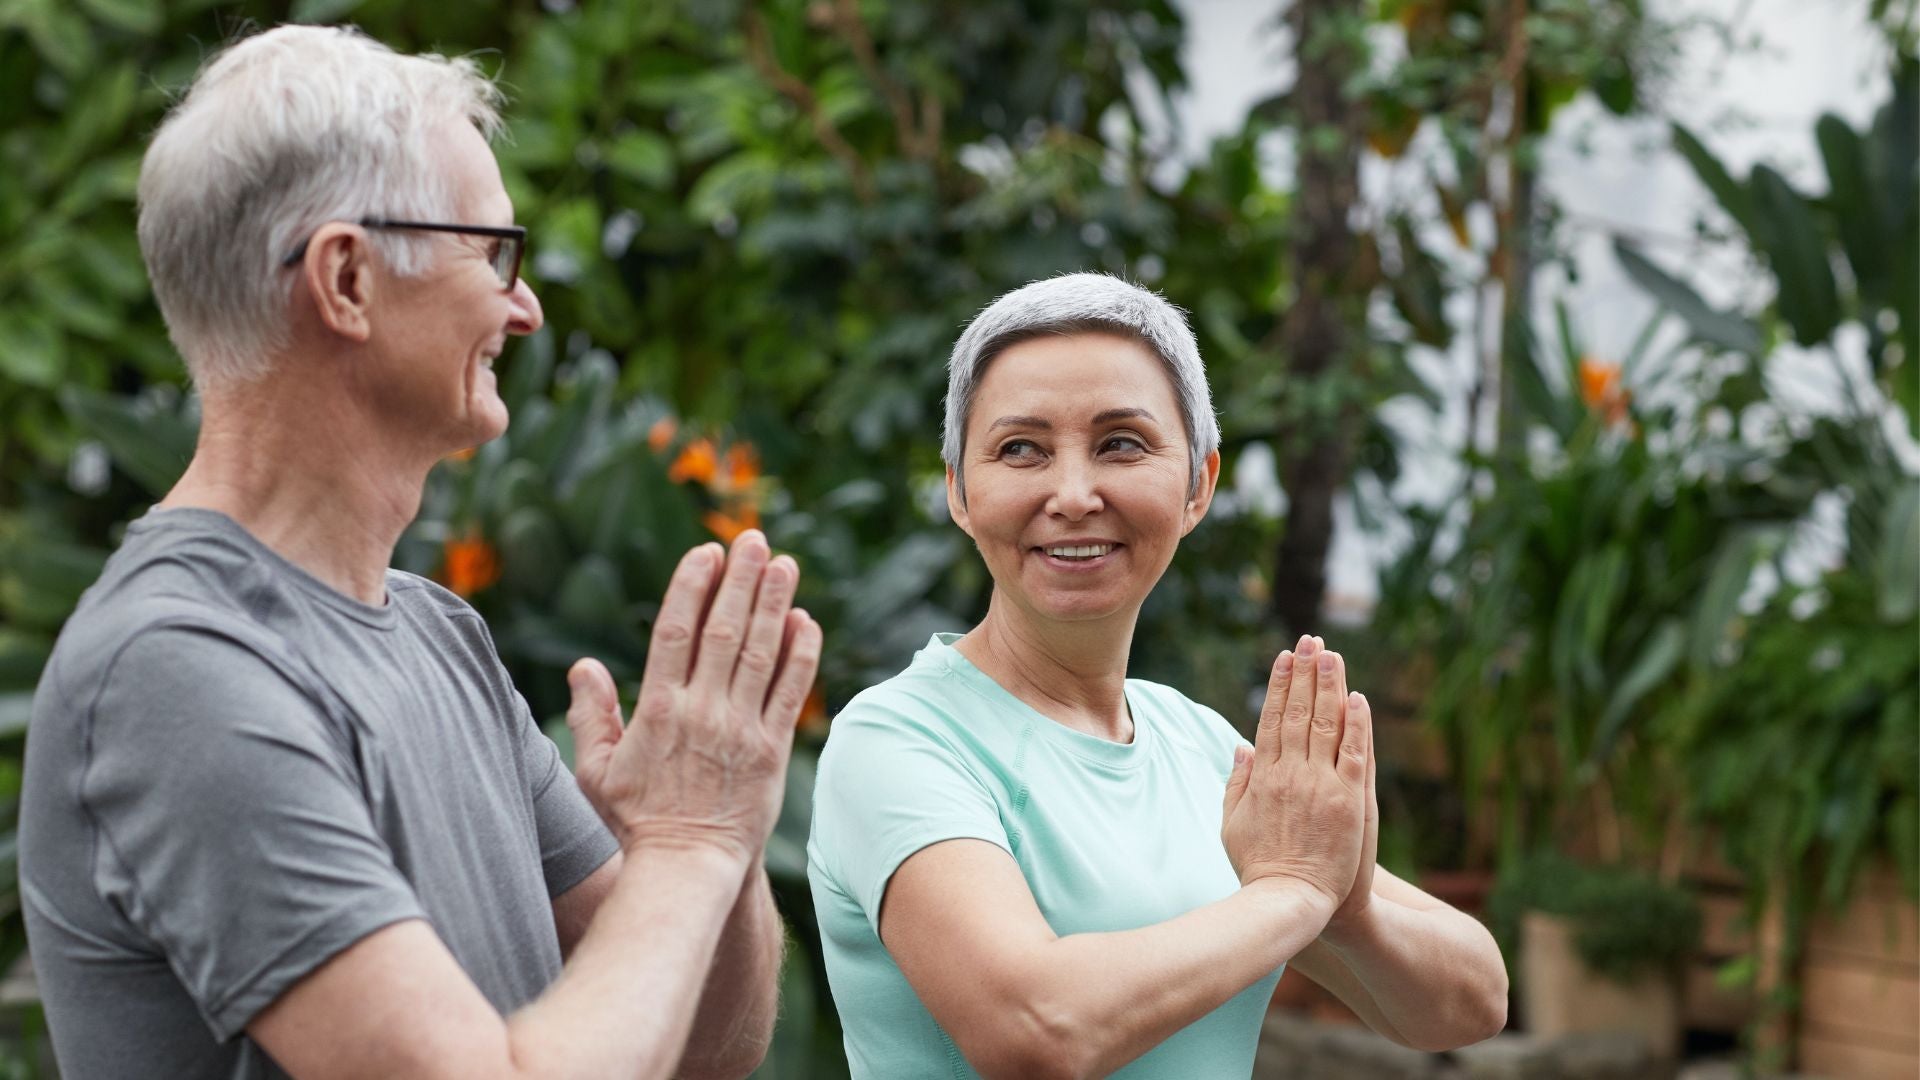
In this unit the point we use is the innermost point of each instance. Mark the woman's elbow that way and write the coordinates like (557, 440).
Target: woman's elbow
(1036, 1042)
(1478, 1013)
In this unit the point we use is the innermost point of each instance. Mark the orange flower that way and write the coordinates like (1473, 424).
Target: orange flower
(469, 564)
(661, 434)
(1599, 380)
(727, 526)
(1600, 388)
(743, 465)
(813, 715)
(697, 461)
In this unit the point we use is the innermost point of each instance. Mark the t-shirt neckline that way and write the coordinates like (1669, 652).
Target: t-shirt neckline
(383, 617)
(1091, 748)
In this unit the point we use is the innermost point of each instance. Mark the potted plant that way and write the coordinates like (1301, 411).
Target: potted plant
(1596, 948)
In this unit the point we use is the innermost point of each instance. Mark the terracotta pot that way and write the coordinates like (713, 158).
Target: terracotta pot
(1560, 996)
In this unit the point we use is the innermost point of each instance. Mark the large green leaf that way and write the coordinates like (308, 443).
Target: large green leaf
(32, 349)
(1657, 660)
(1721, 329)
(147, 444)
(1790, 236)
(1731, 194)
(133, 16)
(1855, 203)
(1897, 562)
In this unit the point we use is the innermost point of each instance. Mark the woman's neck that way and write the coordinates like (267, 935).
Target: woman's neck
(1073, 673)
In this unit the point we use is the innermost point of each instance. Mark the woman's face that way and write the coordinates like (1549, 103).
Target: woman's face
(1076, 469)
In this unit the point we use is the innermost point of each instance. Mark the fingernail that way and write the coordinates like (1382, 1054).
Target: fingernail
(1301, 645)
(1326, 661)
(1306, 647)
(1319, 643)
(1285, 663)
(1355, 700)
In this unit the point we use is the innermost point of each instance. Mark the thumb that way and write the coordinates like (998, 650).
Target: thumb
(593, 715)
(1237, 779)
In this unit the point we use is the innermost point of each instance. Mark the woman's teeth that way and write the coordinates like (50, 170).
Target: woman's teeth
(1084, 551)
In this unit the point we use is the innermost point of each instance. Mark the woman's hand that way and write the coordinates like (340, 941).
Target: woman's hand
(1354, 907)
(1296, 804)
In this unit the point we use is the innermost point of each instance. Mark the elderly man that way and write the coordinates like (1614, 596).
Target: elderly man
(284, 812)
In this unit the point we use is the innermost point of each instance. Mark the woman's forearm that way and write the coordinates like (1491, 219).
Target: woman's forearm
(1428, 978)
(1090, 1003)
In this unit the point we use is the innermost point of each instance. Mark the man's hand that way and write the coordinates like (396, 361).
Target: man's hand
(704, 761)
(1295, 805)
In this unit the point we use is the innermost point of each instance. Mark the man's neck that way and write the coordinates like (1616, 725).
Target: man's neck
(310, 478)
(1074, 673)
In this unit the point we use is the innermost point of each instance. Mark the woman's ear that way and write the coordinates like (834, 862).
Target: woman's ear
(1202, 496)
(957, 502)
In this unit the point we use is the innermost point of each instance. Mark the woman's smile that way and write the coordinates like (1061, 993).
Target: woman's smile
(1079, 556)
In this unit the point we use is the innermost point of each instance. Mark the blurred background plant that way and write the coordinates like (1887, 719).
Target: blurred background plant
(758, 226)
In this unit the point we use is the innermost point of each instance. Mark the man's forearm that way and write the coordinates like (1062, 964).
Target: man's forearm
(734, 1022)
(624, 1004)
(1430, 979)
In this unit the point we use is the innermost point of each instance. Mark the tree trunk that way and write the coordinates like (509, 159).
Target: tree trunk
(1326, 321)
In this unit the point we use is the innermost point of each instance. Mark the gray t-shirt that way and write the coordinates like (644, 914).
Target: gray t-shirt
(234, 772)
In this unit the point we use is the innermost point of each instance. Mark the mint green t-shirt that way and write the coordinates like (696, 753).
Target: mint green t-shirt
(1108, 836)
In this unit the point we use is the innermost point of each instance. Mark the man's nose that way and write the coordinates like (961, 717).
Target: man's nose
(526, 316)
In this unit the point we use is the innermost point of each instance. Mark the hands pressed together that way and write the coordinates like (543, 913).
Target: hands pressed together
(1300, 806)
(704, 762)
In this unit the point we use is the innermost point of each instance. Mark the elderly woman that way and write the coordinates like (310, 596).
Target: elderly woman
(1026, 864)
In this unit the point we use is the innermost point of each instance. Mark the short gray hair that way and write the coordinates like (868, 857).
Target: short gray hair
(279, 134)
(1081, 304)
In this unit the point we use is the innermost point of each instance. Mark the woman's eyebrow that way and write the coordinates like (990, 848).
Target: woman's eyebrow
(1124, 414)
(1019, 421)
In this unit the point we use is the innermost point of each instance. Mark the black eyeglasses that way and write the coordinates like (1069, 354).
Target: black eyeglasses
(505, 258)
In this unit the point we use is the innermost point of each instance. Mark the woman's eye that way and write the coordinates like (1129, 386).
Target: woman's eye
(1125, 444)
(1018, 448)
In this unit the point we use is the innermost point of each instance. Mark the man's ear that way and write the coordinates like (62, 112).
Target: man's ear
(1202, 493)
(338, 274)
(957, 503)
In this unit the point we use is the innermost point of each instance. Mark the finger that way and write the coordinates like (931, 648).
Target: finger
(1329, 703)
(593, 713)
(1356, 744)
(797, 670)
(670, 650)
(1266, 737)
(725, 629)
(766, 634)
(1237, 780)
(1299, 708)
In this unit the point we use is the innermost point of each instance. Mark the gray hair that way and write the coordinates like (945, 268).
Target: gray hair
(279, 134)
(1080, 304)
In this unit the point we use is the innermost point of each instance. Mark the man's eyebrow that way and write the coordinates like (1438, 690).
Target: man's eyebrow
(1019, 421)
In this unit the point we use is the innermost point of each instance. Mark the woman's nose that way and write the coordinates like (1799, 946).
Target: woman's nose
(1076, 492)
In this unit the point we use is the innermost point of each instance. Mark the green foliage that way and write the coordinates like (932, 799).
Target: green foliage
(763, 223)
(1865, 222)
(1594, 586)
(1626, 924)
(1807, 755)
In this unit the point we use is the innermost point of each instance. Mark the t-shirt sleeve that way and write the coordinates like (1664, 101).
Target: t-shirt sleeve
(574, 842)
(231, 824)
(889, 785)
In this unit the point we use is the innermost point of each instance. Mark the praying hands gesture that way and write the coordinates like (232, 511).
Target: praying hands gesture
(1300, 805)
